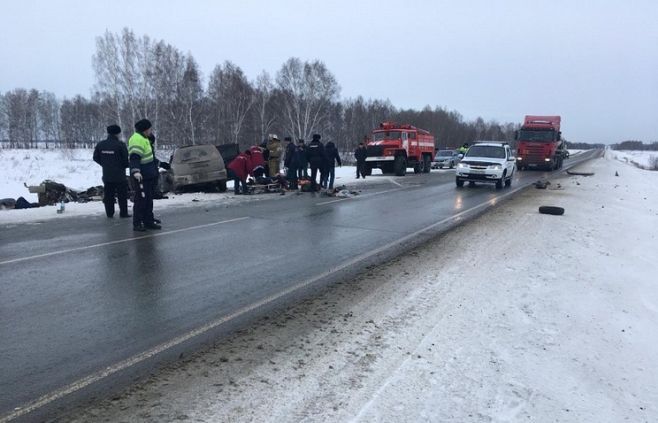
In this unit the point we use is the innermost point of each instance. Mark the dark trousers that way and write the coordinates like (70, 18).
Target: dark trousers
(143, 202)
(236, 186)
(331, 175)
(314, 175)
(291, 175)
(120, 190)
(361, 169)
(302, 171)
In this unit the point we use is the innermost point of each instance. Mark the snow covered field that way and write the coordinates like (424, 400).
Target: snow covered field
(513, 317)
(642, 159)
(76, 169)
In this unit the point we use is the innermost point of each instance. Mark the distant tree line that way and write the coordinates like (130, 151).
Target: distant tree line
(141, 77)
(635, 145)
(583, 145)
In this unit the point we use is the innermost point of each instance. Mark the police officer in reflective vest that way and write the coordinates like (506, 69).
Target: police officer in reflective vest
(144, 173)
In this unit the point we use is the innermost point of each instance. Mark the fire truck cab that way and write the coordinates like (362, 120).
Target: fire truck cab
(394, 147)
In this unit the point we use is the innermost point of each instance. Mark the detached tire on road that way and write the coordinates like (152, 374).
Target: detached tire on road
(555, 211)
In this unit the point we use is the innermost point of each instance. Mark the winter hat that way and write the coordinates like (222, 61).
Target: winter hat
(143, 125)
(113, 130)
(316, 137)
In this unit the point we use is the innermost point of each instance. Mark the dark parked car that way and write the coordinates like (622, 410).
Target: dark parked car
(445, 158)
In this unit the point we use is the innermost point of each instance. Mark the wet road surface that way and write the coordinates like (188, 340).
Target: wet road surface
(88, 298)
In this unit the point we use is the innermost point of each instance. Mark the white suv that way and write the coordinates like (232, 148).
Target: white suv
(487, 161)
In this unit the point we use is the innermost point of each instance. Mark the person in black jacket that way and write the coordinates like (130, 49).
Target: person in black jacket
(291, 163)
(302, 171)
(316, 158)
(112, 155)
(360, 154)
(331, 152)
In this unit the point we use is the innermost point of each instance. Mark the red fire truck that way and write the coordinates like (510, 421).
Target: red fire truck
(392, 148)
(539, 143)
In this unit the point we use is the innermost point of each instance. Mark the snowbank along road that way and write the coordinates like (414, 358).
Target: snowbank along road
(275, 258)
(454, 331)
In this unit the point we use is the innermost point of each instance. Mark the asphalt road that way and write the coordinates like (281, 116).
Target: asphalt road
(86, 299)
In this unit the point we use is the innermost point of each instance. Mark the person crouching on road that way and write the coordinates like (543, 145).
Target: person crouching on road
(144, 172)
(112, 155)
(239, 168)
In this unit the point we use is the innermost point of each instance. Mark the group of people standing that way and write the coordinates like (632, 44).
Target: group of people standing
(261, 162)
(139, 155)
(322, 159)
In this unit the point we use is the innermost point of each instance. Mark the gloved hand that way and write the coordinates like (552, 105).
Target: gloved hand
(137, 176)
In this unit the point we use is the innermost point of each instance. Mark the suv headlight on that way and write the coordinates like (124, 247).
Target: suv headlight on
(495, 167)
(462, 165)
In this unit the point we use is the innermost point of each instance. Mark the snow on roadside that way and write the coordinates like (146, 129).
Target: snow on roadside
(642, 159)
(76, 169)
(516, 316)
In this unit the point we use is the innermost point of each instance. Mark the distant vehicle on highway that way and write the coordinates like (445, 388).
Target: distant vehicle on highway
(445, 158)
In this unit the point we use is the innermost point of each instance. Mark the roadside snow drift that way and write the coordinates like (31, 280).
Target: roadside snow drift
(516, 316)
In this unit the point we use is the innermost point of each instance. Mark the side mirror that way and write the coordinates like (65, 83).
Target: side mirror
(461, 156)
(559, 135)
(516, 135)
(511, 159)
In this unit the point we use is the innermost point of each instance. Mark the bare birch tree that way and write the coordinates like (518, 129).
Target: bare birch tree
(48, 117)
(232, 97)
(263, 94)
(308, 89)
(107, 66)
(191, 94)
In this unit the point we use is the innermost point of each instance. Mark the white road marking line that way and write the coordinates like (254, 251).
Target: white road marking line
(394, 182)
(153, 235)
(122, 365)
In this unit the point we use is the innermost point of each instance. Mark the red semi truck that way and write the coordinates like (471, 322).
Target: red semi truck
(392, 148)
(539, 143)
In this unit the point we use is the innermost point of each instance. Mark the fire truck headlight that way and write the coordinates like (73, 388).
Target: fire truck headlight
(547, 159)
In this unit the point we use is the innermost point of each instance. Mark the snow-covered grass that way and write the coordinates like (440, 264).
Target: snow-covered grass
(513, 317)
(643, 159)
(76, 169)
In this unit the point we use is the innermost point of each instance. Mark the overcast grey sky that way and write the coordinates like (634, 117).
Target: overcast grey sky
(595, 63)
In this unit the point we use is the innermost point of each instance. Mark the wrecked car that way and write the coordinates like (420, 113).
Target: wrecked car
(195, 166)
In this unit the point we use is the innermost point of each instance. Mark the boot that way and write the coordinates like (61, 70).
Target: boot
(109, 209)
